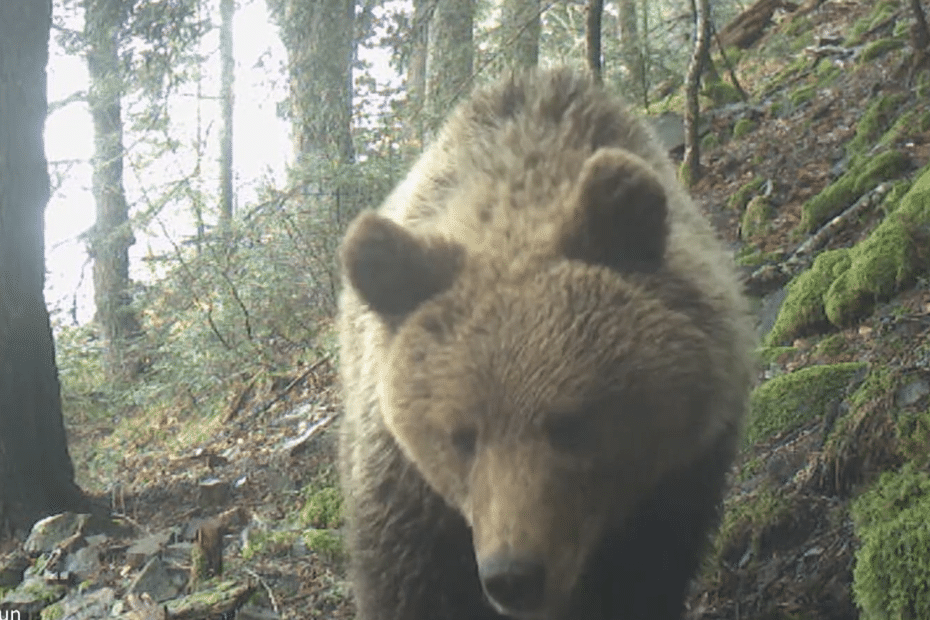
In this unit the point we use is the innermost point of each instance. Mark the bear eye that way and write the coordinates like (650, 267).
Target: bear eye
(465, 440)
(570, 433)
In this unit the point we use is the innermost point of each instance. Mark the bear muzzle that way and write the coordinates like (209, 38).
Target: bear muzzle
(515, 585)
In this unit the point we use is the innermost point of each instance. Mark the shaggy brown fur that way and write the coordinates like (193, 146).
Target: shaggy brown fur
(545, 359)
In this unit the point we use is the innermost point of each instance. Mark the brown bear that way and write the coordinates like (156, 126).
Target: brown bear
(545, 360)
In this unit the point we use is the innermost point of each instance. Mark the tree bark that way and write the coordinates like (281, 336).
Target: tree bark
(36, 474)
(318, 36)
(631, 49)
(450, 57)
(416, 70)
(227, 197)
(692, 160)
(593, 38)
(520, 30)
(112, 234)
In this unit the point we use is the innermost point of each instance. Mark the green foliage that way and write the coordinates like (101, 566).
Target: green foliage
(892, 569)
(858, 180)
(788, 401)
(327, 544)
(323, 508)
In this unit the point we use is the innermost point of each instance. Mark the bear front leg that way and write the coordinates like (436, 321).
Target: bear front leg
(411, 555)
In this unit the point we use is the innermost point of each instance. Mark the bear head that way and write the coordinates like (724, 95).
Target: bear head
(541, 398)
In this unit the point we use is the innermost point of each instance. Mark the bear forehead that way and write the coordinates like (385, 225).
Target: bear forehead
(564, 333)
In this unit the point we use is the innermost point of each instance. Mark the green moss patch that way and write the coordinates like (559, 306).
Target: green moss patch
(858, 180)
(877, 49)
(875, 120)
(743, 127)
(880, 12)
(744, 194)
(893, 564)
(786, 402)
(889, 258)
(803, 308)
(756, 218)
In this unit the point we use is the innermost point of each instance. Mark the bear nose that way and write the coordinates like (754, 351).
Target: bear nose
(516, 585)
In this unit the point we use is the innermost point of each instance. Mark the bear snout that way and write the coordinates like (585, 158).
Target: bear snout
(515, 585)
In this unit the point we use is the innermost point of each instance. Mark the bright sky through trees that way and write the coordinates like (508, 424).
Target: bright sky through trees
(261, 149)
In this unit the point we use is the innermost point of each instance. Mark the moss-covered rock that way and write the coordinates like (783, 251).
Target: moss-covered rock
(743, 127)
(744, 194)
(854, 183)
(893, 564)
(721, 92)
(875, 120)
(756, 218)
(788, 401)
(803, 308)
(890, 257)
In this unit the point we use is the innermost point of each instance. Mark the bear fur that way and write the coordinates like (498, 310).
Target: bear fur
(545, 357)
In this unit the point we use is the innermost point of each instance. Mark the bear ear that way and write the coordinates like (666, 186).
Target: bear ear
(394, 271)
(621, 214)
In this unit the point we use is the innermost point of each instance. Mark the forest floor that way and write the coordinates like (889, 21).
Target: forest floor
(274, 448)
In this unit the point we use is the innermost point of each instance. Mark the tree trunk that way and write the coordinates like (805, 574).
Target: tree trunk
(227, 198)
(593, 38)
(416, 70)
(520, 29)
(36, 474)
(450, 56)
(631, 49)
(318, 35)
(112, 232)
(692, 161)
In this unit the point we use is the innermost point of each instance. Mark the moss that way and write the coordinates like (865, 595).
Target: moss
(743, 127)
(803, 94)
(834, 344)
(890, 257)
(710, 142)
(749, 469)
(756, 218)
(721, 92)
(684, 174)
(323, 508)
(827, 72)
(854, 183)
(881, 11)
(326, 544)
(786, 402)
(752, 257)
(771, 355)
(803, 307)
(747, 518)
(875, 120)
(877, 49)
(913, 434)
(741, 197)
(892, 569)
(799, 25)
(923, 121)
